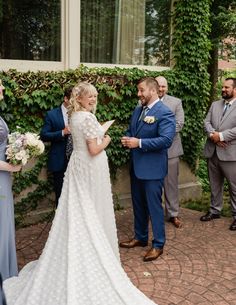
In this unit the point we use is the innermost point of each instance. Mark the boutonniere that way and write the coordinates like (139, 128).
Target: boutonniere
(149, 119)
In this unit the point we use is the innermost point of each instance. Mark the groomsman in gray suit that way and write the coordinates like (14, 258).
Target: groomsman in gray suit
(220, 150)
(174, 152)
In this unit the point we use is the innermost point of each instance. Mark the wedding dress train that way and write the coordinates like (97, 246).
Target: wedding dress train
(80, 263)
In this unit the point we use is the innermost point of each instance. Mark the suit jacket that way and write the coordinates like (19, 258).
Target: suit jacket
(175, 106)
(52, 132)
(156, 138)
(226, 125)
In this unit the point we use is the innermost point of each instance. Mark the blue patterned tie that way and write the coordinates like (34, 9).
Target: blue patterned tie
(143, 113)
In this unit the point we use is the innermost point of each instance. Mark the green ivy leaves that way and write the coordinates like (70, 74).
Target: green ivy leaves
(191, 47)
(29, 95)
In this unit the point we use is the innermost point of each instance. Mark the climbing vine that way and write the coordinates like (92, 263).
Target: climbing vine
(29, 95)
(190, 81)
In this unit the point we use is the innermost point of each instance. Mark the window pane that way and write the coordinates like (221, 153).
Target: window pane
(125, 32)
(30, 30)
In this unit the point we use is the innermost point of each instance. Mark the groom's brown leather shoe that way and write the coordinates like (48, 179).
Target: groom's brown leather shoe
(152, 254)
(132, 243)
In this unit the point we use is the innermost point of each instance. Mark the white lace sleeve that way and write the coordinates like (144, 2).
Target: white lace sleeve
(91, 127)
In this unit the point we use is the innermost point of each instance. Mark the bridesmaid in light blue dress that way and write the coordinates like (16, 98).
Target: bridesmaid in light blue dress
(8, 262)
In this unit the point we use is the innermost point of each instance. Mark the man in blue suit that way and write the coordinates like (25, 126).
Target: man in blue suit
(150, 134)
(56, 130)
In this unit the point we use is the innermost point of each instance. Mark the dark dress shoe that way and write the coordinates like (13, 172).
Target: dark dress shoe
(176, 222)
(152, 254)
(132, 243)
(209, 216)
(233, 226)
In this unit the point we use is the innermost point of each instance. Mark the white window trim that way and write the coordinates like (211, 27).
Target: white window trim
(70, 49)
(150, 68)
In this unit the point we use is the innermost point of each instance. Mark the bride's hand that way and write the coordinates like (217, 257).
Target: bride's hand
(107, 139)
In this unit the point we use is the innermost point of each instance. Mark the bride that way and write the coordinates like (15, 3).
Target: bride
(80, 263)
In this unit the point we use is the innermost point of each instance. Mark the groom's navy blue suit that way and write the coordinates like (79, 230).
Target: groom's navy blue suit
(148, 169)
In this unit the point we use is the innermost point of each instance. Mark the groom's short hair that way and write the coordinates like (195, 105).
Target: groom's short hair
(150, 82)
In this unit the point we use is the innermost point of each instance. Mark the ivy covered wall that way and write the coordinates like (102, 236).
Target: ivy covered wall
(29, 95)
(191, 46)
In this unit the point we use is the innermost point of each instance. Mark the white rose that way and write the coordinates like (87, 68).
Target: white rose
(40, 147)
(20, 155)
(24, 160)
(31, 139)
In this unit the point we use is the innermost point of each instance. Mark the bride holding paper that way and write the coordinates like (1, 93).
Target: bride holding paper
(80, 264)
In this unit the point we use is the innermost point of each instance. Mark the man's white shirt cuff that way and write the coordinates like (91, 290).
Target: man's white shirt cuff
(140, 143)
(221, 136)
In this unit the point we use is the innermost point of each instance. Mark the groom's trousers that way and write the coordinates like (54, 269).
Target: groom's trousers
(147, 203)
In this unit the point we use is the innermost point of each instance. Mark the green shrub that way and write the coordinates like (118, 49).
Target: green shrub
(29, 95)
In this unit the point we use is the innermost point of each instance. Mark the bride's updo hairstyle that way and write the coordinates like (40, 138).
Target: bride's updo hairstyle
(79, 91)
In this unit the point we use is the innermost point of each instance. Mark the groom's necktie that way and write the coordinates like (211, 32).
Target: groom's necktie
(143, 113)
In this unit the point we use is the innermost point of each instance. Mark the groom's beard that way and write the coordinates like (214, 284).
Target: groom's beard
(145, 100)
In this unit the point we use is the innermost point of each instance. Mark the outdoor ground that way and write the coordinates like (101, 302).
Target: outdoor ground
(198, 265)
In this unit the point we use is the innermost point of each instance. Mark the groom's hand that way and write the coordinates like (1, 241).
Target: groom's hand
(130, 142)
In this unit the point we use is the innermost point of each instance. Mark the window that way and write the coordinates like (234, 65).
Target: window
(133, 32)
(30, 30)
(61, 34)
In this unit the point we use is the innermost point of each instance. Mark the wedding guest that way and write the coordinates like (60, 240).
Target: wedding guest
(150, 134)
(220, 150)
(8, 260)
(171, 192)
(80, 262)
(56, 131)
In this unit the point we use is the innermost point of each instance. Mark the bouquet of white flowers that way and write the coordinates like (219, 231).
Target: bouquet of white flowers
(23, 147)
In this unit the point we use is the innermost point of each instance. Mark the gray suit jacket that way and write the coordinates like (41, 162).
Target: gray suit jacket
(175, 105)
(226, 125)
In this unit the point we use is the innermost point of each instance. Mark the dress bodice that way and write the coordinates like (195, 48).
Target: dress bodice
(84, 126)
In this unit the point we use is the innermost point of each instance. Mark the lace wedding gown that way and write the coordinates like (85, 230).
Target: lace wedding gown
(80, 263)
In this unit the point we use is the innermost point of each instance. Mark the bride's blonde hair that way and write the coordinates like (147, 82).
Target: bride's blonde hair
(80, 90)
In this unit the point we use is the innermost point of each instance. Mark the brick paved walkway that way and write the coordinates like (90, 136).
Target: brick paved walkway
(198, 265)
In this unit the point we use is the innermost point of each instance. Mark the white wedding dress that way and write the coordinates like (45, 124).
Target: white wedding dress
(80, 263)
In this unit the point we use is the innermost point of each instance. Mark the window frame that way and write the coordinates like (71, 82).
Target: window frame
(70, 47)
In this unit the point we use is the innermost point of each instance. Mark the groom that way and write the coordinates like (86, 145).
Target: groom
(150, 134)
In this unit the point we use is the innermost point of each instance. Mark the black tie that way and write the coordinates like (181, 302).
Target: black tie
(69, 146)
